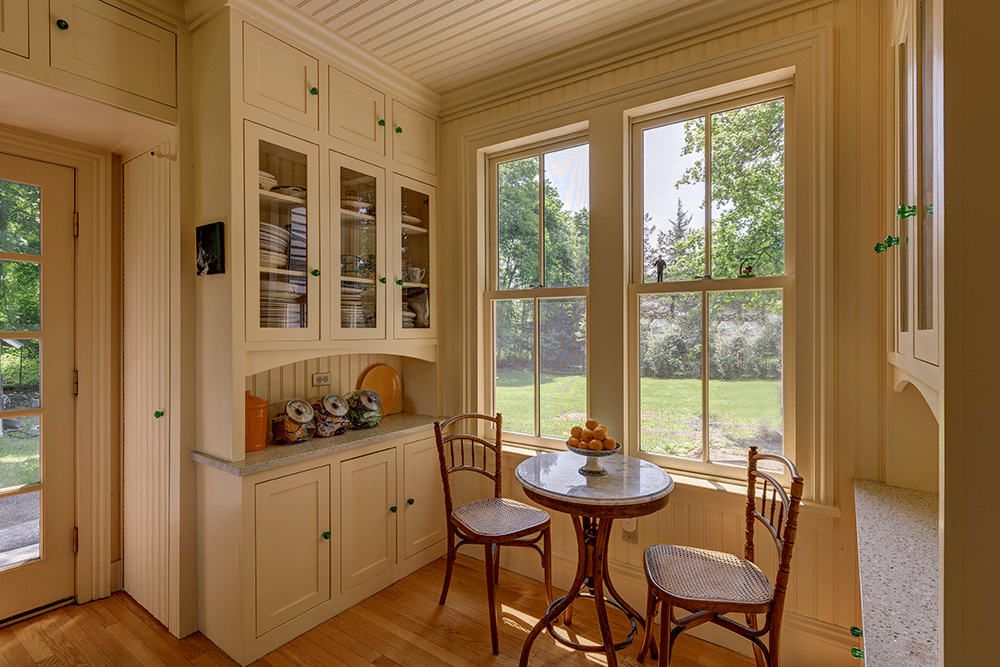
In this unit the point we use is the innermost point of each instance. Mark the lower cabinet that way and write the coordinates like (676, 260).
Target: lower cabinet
(283, 550)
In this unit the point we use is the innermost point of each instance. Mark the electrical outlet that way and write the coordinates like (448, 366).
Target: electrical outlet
(321, 379)
(632, 537)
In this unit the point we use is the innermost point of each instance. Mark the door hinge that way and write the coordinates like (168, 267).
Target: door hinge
(76, 539)
(76, 224)
(76, 383)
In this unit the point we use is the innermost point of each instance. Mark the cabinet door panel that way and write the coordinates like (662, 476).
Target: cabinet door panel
(107, 45)
(368, 524)
(293, 556)
(414, 266)
(414, 138)
(278, 78)
(423, 519)
(14, 26)
(355, 111)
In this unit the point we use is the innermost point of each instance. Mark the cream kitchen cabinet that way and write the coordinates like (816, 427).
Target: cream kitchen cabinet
(414, 243)
(280, 78)
(414, 138)
(292, 545)
(289, 546)
(357, 112)
(14, 27)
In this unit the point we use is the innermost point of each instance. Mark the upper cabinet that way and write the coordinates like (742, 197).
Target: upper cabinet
(14, 27)
(357, 112)
(105, 44)
(279, 78)
(414, 138)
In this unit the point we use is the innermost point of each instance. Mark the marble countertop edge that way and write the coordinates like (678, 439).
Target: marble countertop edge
(275, 456)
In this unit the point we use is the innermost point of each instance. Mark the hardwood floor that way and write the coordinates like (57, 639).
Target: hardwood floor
(403, 626)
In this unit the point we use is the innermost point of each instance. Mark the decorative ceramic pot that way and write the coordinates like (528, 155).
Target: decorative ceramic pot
(294, 424)
(364, 408)
(329, 415)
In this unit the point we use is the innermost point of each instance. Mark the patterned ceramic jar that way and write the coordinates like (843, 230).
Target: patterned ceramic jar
(364, 408)
(294, 424)
(330, 415)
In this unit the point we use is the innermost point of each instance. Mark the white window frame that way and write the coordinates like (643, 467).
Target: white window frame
(492, 293)
(786, 283)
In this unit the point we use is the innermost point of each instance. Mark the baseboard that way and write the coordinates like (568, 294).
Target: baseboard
(116, 576)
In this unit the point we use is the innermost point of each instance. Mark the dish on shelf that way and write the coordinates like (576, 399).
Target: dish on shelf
(358, 206)
(410, 220)
(384, 381)
(282, 287)
(267, 229)
(273, 260)
(290, 190)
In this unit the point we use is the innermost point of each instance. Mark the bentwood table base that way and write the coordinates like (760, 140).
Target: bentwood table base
(592, 535)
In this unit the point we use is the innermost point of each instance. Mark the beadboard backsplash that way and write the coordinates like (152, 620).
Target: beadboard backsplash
(280, 384)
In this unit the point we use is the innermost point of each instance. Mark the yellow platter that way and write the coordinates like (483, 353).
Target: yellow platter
(385, 382)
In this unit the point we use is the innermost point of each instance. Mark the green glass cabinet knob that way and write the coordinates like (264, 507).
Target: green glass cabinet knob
(62, 24)
(393, 509)
(881, 247)
(326, 535)
(409, 501)
(399, 130)
(382, 280)
(158, 414)
(891, 241)
(399, 282)
(381, 122)
(315, 272)
(856, 631)
(314, 91)
(904, 211)
(857, 653)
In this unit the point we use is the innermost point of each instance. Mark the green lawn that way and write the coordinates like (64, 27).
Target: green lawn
(19, 454)
(742, 412)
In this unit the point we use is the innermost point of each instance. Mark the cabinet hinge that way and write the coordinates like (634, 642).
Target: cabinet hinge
(76, 224)
(76, 383)
(76, 539)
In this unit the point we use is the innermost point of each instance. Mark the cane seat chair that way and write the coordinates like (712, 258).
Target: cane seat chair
(493, 521)
(708, 584)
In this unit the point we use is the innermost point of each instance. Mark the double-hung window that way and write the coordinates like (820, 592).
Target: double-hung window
(712, 291)
(538, 272)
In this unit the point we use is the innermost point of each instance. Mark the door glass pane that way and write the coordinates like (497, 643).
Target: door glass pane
(359, 250)
(20, 445)
(748, 190)
(903, 169)
(517, 224)
(514, 363)
(670, 374)
(562, 352)
(744, 386)
(20, 218)
(567, 217)
(20, 296)
(19, 372)
(415, 249)
(673, 192)
(283, 238)
(20, 528)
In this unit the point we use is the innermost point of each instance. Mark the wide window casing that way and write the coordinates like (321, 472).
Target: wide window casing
(538, 271)
(712, 293)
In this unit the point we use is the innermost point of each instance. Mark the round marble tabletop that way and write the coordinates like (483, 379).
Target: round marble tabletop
(629, 481)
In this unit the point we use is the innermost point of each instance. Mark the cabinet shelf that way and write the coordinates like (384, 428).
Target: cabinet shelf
(278, 198)
(355, 279)
(353, 216)
(283, 272)
(412, 229)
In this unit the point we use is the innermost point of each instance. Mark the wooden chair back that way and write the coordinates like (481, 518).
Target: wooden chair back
(469, 452)
(778, 512)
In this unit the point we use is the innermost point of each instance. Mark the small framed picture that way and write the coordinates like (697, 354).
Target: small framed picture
(210, 240)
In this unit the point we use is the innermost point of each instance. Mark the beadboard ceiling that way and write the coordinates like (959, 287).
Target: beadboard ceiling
(446, 44)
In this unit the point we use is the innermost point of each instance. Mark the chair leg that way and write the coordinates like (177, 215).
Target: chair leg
(547, 564)
(758, 655)
(496, 564)
(666, 642)
(450, 559)
(647, 636)
(491, 597)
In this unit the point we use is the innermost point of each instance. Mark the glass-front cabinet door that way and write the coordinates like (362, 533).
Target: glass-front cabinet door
(414, 308)
(282, 266)
(357, 243)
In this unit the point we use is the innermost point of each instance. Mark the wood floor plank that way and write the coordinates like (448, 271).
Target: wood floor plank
(49, 627)
(142, 653)
(13, 651)
(27, 633)
(342, 636)
(185, 647)
(87, 621)
(334, 648)
(147, 635)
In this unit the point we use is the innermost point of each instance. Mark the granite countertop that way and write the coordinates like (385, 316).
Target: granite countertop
(275, 456)
(898, 560)
(629, 480)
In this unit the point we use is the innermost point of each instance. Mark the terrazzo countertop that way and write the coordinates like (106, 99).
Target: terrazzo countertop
(898, 560)
(275, 456)
(629, 480)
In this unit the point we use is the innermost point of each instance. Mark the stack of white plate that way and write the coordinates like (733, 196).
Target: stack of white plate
(267, 181)
(281, 315)
(281, 290)
(273, 260)
(353, 294)
(274, 239)
(409, 318)
(354, 316)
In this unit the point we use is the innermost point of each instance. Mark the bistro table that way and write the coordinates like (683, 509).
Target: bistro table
(631, 488)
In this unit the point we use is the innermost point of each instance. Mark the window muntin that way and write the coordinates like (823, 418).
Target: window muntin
(540, 264)
(709, 324)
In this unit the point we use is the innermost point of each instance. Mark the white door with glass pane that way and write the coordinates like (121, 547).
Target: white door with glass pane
(37, 416)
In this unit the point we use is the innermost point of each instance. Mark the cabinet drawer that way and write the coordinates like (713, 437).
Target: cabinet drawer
(356, 111)
(292, 545)
(107, 45)
(14, 26)
(414, 138)
(279, 78)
